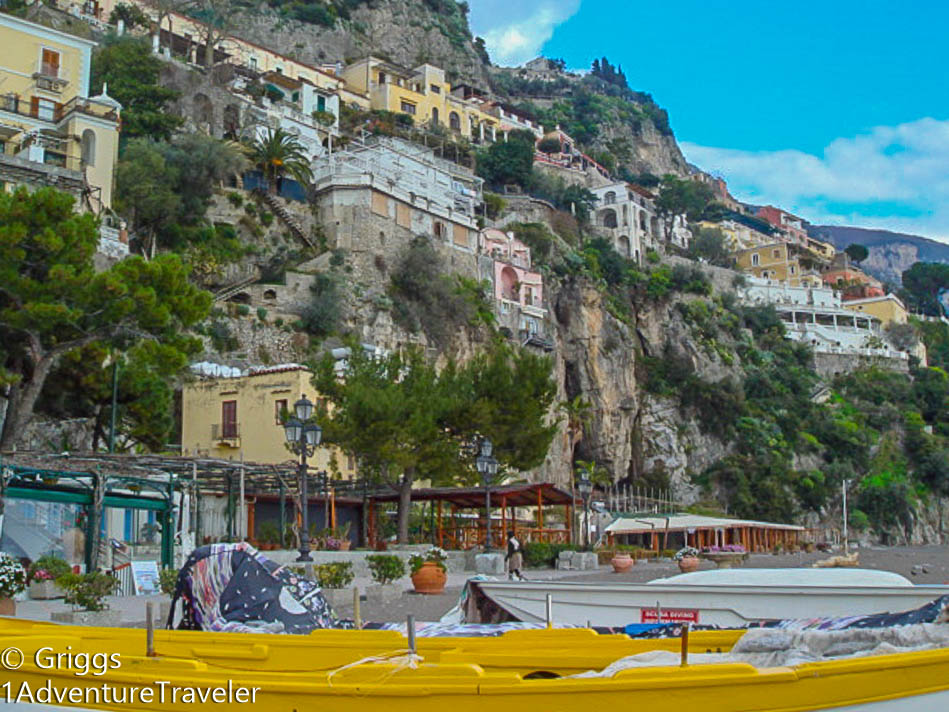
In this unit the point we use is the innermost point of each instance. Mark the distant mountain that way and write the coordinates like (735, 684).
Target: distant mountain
(890, 252)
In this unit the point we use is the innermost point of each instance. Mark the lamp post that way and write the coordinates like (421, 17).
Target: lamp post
(488, 467)
(303, 439)
(585, 486)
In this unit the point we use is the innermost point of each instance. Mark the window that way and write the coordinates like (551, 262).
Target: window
(49, 65)
(454, 121)
(435, 88)
(755, 260)
(439, 229)
(88, 147)
(408, 107)
(776, 253)
(793, 270)
(279, 406)
(321, 103)
(43, 108)
(434, 116)
(382, 77)
(253, 63)
(229, 419)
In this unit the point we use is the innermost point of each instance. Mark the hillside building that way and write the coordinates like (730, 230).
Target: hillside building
(738, 236)
(423, 93)
(402, 184)
(780, 263)
(239, 417)
(518, 291)
(52, 133)
(814, 314)
(628, 214)
(569, 157)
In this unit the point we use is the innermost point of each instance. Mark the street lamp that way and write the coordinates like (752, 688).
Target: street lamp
(303, 439)
(586, 489)
(488, 467)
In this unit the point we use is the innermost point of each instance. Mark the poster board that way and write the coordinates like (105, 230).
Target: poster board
(145, 578)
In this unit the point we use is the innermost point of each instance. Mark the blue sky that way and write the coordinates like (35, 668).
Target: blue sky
(837, 110)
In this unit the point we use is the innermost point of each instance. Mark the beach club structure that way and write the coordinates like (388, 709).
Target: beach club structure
(677, 530)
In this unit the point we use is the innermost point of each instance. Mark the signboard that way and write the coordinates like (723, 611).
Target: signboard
(145, 578)
(669, 615)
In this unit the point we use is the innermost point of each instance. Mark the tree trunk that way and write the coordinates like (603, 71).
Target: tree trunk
(22, 400)
(405, 504)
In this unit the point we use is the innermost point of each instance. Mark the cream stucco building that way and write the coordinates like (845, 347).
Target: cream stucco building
(51, 131)
(239, 418)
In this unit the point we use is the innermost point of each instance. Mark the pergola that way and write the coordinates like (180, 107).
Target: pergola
(464, 535)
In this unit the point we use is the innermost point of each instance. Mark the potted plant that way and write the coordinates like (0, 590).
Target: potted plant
(725, 557)
(86, 593)
(385, 568)
(688, 558)
(333, 578)
(268, 534)
(341, 533)
(12, 582)
(428, 570)
(622, 562)
(42, 577)
(167, 582)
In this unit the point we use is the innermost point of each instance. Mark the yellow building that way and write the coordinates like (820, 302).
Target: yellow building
(737, 235)
(780, 262)
(887, 309)
(423, 93)
(240, 418)
(51, 131)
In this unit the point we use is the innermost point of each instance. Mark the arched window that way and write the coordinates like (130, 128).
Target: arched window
(203, 113)
(440, 231)
(270, 295)
(454, 121)
(608, 218)
(623, 246)
(509, 289)
(609, 198)
(755, 260)
(88, 147)
(434, 115)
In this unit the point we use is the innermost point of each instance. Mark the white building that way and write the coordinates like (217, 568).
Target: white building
(815, 315)
(628, 214)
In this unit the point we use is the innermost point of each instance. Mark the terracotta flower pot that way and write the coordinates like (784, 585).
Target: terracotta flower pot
(688, 564)
(7, 607)
(429, 579)
(345, 545)
(622, 563)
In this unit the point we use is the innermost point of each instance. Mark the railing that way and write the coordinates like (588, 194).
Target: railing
(225, 431)
(22, 106)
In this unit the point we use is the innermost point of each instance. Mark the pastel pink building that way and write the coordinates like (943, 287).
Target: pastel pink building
(518, 291)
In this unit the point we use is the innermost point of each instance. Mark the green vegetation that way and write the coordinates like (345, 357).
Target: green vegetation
(709, 244)
(326, 310)
(53, 302)
(87, 591)
(405, 420)
(279, 154)
(338, 574)
(857, 253)
(131, 71)
(541, 554)
(385, 568)
(921, 285)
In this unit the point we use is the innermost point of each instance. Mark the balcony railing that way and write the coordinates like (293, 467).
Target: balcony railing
(225, 431)
(21, 105)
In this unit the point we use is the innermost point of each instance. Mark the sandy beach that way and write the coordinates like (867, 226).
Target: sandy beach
(920, 564)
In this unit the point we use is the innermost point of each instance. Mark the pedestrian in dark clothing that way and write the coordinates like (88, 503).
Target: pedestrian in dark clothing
(514, 558)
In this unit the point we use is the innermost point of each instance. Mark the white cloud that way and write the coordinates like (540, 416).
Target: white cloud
(515, 30)
(894, 177)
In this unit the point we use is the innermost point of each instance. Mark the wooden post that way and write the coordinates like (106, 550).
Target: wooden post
(440, 540)
(569, 512)
(333, 508)
(372, 524)
(250, 517)
(540, 509)
(503, 517)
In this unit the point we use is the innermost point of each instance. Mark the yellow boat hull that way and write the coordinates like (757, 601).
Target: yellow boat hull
(449, 680)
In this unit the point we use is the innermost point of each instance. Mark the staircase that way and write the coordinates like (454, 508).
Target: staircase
(232, 289)
(280, 210)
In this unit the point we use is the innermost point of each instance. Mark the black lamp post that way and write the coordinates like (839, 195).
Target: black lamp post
(303, 439)
(488, 467)
(585, 486)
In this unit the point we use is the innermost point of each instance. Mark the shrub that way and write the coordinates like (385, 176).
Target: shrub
(540, 554)
(12, 576)
(88, 591)
(168, 581)
(242, 310)
(48, 567)
(385, 568)
(652, 257)
(235, 199)
(336, 575)
(323, 314)
(261, 313)
(266, 219)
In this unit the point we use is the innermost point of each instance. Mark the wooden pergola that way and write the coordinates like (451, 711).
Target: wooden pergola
(507, 498)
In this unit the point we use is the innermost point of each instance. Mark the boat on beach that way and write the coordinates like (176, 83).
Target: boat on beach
(723, 597)
(184, 671)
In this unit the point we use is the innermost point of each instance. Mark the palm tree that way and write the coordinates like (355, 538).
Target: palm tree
(278, 154)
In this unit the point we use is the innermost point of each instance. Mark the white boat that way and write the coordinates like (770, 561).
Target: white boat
(724, 597)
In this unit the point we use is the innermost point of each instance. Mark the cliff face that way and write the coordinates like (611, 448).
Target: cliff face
(407, 32)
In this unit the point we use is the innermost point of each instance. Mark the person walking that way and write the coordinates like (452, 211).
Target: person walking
(514, 558)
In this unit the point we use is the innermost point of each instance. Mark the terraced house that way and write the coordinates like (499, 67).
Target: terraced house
(51, 131)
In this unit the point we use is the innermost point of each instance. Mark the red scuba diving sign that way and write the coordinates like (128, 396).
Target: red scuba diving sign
(669, 615)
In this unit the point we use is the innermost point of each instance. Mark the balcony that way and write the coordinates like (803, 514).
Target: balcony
(49, 78)
(35, 166)
(226, 434)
